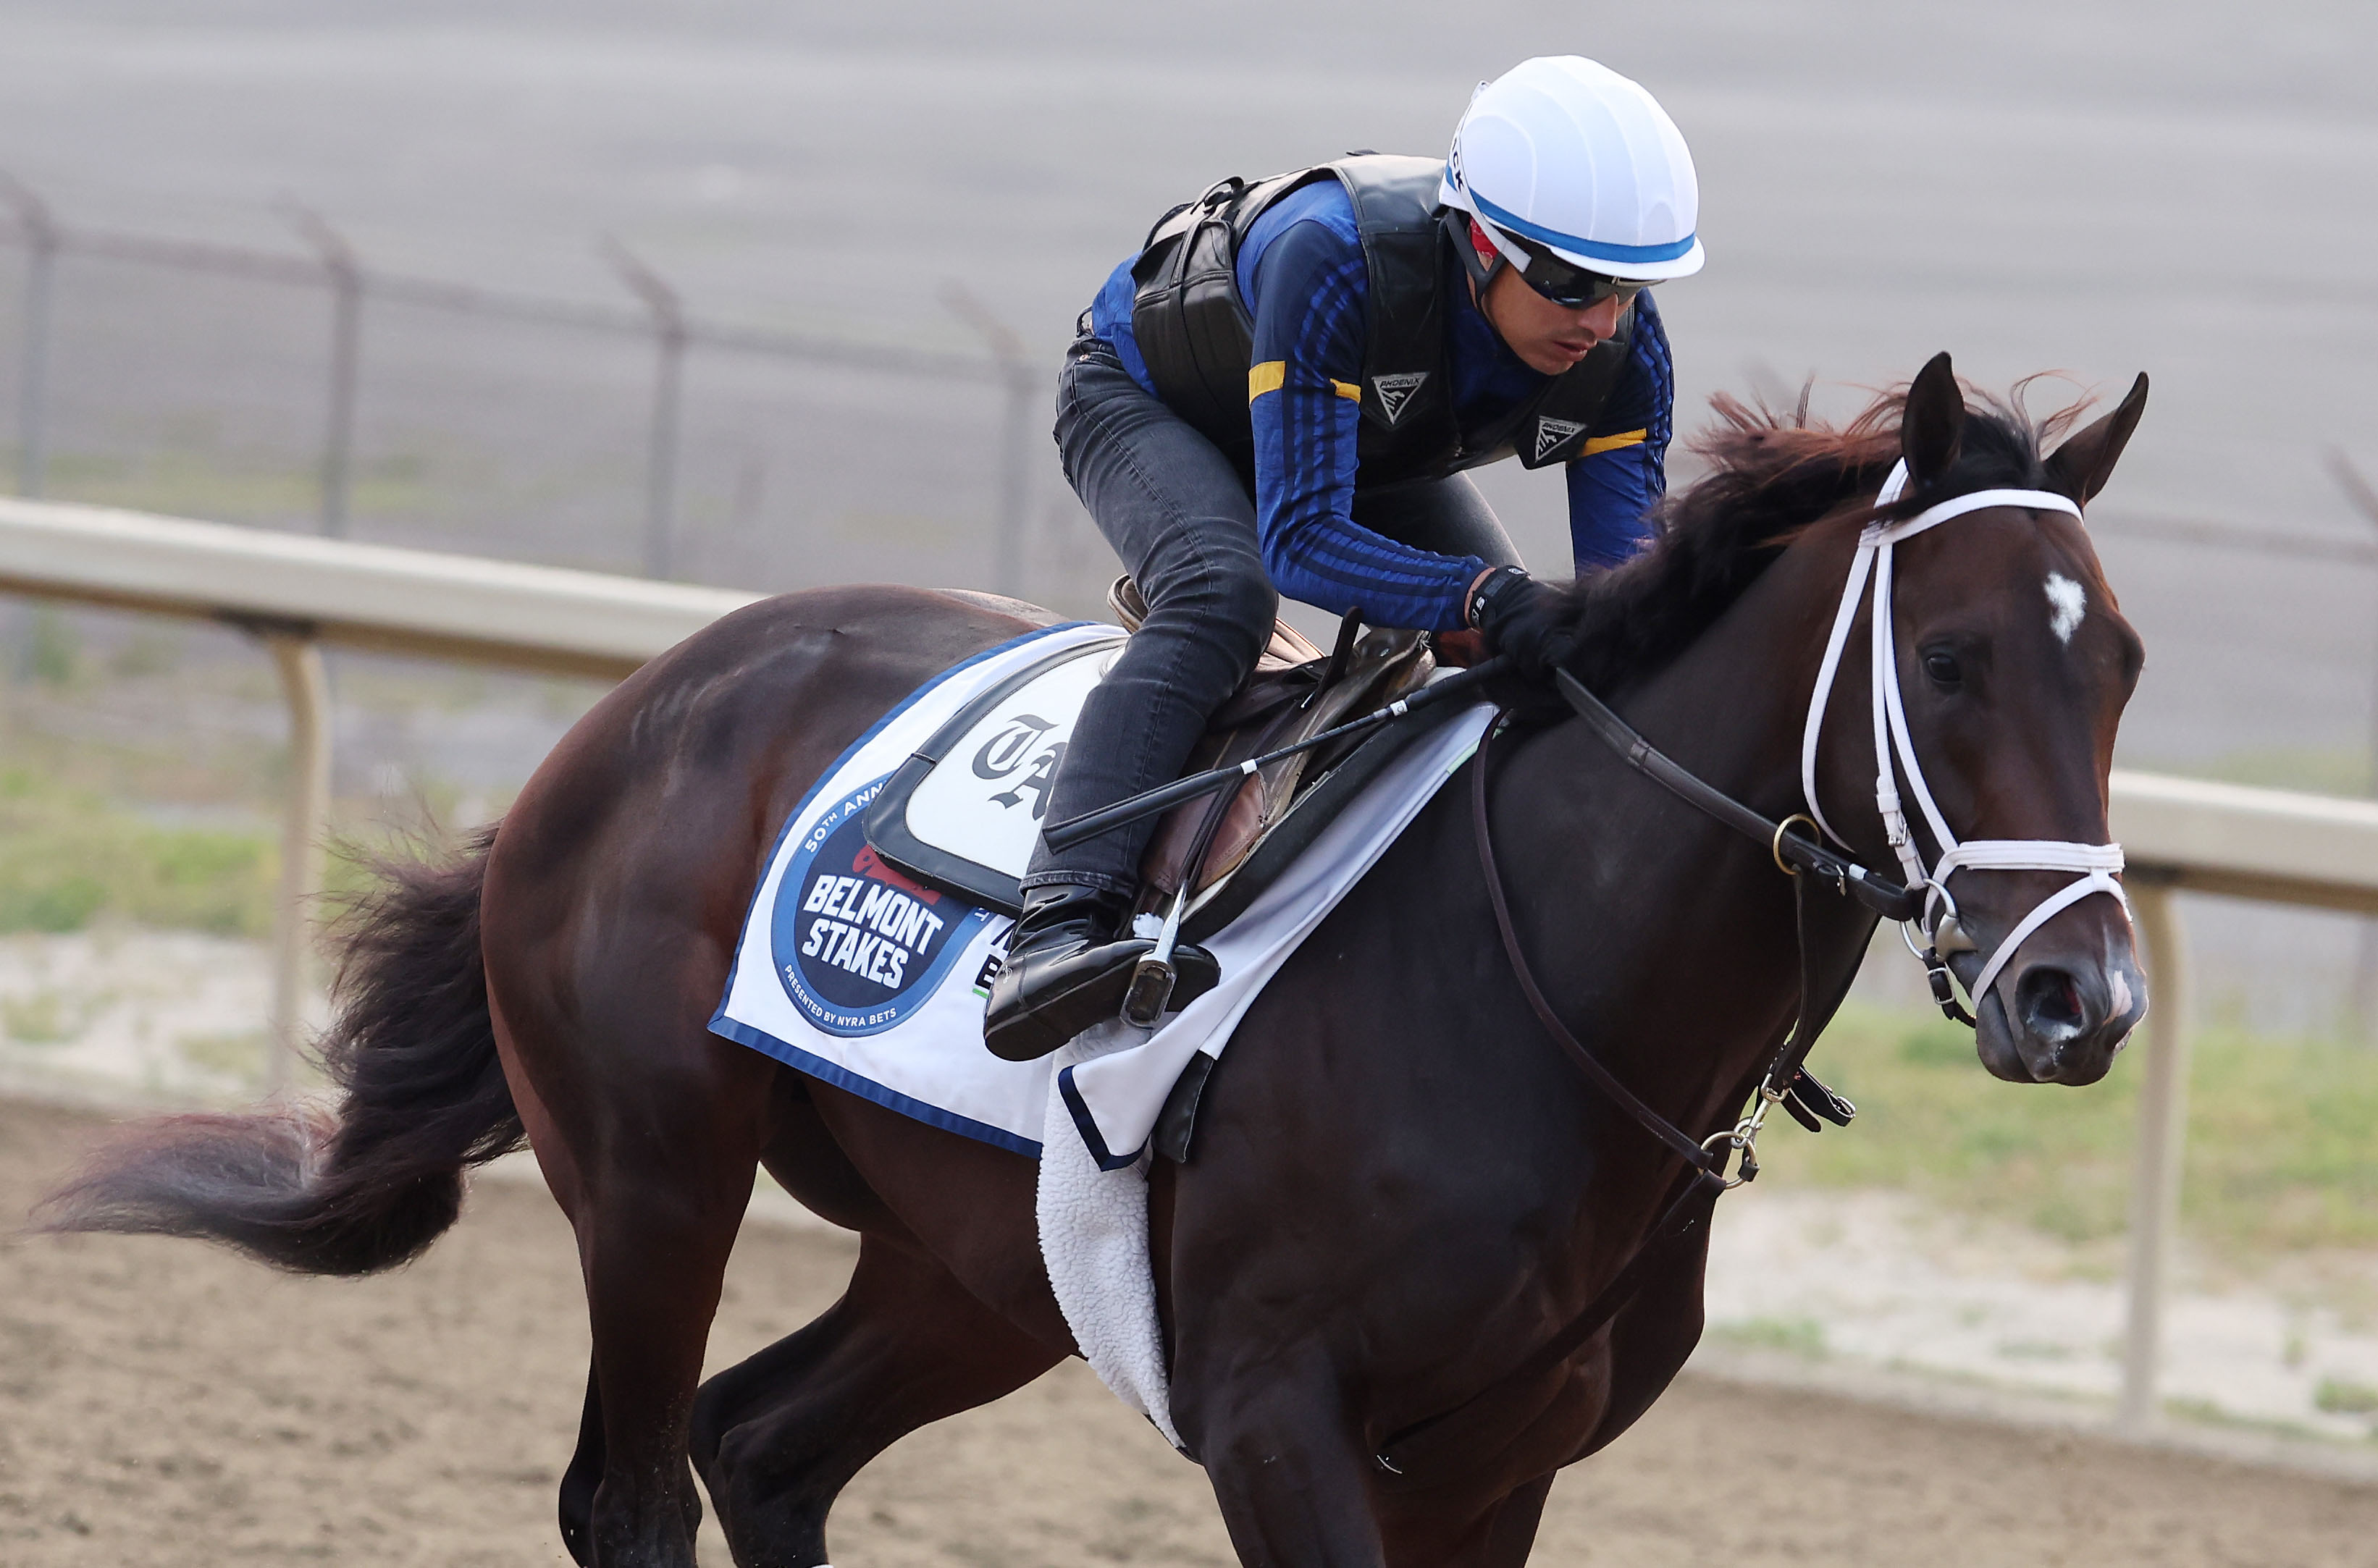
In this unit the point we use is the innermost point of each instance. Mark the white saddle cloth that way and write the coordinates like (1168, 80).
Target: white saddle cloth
(856, 975)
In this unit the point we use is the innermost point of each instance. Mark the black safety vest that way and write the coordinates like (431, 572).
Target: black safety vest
(1198, 341)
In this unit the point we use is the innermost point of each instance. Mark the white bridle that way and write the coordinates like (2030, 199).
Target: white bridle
(2096, 864)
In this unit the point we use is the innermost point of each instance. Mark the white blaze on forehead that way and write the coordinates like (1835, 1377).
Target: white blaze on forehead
(2067, 604)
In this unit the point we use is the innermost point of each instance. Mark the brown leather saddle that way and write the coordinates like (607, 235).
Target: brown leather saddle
(1226, 846)
(1221, 846)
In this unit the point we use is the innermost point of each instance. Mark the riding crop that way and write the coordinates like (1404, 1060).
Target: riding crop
(1089, 824)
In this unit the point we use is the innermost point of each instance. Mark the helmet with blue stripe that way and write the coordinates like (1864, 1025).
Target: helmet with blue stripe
(1564, 153)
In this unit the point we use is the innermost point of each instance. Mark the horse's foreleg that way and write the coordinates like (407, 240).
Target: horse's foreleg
(1290, 1472)
(1511, 1535)
(1449, 1529)
(778, 1436)
(1297, 1487)
(1650, 1341)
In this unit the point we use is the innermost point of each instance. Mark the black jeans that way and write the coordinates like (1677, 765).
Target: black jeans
(1176, 512)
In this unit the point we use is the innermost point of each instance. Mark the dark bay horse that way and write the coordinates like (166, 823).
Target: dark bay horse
(1399, 1186)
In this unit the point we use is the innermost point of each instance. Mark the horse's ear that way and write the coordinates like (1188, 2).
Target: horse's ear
(1933, 428)
(2081, 466)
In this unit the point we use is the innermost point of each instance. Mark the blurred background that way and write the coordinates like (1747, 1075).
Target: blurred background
(770, 296)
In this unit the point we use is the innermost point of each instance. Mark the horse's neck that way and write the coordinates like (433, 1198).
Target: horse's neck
(1685, 948)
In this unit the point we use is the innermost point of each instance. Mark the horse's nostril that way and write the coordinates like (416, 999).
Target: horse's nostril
(2050, 1003)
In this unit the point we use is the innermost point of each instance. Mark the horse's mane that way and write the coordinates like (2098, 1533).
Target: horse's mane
(1770, 476)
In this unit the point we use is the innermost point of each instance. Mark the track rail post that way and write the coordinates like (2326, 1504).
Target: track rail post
(344, 271)
(1017, 384)
(667, 309)
(40, 231)
(306, 824)
(2162, 1146)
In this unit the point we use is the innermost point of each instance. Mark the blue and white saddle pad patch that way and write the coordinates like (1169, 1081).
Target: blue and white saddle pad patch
(858, 974)
(854, 972)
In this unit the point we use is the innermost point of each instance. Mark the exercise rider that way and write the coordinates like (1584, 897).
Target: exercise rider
(1279, 394)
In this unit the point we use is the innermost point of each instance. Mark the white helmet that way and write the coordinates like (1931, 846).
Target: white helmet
(1568, 153)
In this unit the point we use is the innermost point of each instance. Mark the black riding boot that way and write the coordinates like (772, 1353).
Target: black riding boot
(1068, 967)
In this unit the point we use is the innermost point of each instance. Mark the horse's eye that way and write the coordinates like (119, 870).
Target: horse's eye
(1941, 666)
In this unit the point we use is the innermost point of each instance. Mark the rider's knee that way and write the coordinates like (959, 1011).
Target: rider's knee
(1245, 604)
(1216, 595)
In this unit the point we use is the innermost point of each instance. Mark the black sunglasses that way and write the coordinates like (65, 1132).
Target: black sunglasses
(1568, 285)
(1563, 284)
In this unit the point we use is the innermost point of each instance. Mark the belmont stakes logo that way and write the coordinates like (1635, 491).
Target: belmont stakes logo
(858, 945)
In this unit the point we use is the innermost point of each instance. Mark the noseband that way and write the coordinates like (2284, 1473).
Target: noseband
(2096, 864)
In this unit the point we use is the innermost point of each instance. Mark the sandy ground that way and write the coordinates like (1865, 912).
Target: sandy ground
(164, 1403)
(115, 1016)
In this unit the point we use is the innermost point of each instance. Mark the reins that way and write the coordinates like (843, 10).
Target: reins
(1922, 906)
(1786, 1081)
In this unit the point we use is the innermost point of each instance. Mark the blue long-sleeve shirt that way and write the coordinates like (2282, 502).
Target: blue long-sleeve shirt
(1302, 275)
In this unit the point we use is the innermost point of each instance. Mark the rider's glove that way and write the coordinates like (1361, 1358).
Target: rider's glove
(1531, 621)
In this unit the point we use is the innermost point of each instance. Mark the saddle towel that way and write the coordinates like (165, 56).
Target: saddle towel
(862, 976)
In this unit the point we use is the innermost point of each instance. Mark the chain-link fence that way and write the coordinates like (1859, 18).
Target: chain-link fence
(307, 388)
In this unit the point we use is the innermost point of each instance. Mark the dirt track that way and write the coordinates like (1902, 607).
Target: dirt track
(162, 1403)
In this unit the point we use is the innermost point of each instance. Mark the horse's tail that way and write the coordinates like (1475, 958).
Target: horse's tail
(413, 1052)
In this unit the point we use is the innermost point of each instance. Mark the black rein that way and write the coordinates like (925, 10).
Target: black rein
(1424, 1446)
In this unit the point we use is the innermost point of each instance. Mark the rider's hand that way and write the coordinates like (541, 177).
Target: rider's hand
(1531, 621)
(1458, 650)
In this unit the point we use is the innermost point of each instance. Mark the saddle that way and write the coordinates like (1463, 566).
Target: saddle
(953, 816)
(1295, 691)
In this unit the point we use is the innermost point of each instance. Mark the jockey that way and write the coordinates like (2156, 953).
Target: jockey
(1279, 394)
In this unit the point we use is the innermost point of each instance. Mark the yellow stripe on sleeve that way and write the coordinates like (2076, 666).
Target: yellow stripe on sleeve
(1272, 375)
(1612, 443)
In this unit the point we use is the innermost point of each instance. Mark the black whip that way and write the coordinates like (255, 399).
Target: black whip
(1089, 824)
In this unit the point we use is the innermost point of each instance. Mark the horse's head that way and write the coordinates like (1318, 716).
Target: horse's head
(2013, 665)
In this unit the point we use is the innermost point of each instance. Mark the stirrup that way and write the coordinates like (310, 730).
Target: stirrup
(1092, 999)
(1159, 985)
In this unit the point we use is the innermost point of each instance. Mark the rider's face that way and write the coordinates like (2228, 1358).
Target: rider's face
(1548, 338)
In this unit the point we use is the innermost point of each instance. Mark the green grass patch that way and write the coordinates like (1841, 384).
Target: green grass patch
(238, 1055)
(43, 1018)
(69, 858)
(2318, 770)
(1797, 1336)
(2342, 1396)
(197, 477)
(2279, 1155)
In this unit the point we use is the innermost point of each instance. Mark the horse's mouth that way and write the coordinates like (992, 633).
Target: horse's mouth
(2068, 1033)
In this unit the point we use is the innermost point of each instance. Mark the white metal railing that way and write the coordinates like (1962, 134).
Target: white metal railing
(296, 593)
(373, 596)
